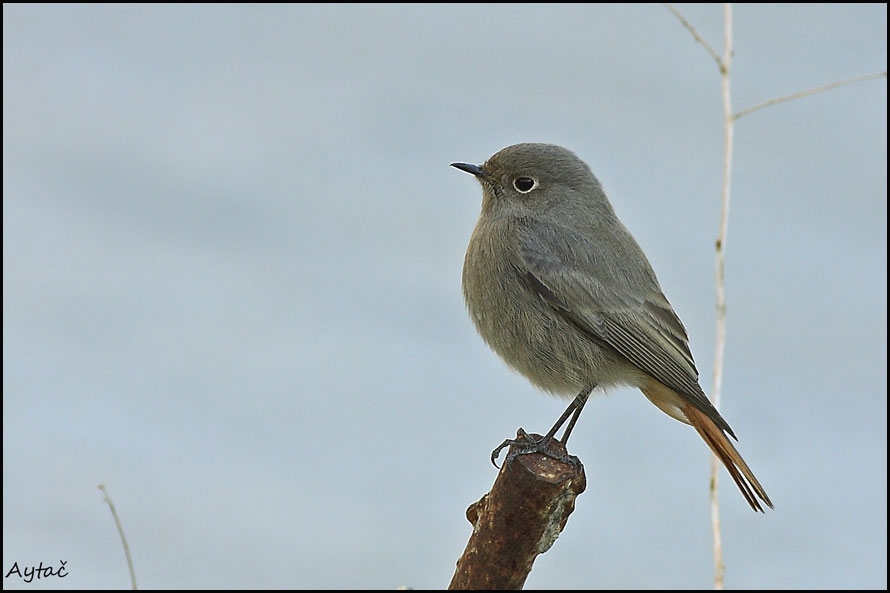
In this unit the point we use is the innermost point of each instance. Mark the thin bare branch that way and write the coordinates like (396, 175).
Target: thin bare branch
(812, 91)
(719, 347)
(695, 35)
(120, 530)
(724, 65)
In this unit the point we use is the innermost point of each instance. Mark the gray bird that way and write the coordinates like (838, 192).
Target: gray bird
(560, 290)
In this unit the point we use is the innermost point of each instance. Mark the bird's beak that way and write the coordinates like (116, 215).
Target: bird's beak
(471, 169)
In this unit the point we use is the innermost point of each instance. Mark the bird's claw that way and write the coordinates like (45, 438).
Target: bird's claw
(525, 444)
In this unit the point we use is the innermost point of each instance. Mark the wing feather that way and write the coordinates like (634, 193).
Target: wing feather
(620, 305)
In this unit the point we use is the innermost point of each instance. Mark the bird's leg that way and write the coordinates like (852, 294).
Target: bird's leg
(578, 404)
(526, 444)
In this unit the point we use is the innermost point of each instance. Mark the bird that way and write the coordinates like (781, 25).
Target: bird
(558, 288)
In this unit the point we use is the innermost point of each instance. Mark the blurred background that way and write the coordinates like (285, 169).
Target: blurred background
(232, 249)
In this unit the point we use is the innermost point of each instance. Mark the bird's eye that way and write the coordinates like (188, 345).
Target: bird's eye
(524, 184)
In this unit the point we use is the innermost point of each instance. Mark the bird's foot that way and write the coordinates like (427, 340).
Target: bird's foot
(525, 444)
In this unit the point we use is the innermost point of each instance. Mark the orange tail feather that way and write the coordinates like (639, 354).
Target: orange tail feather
(724, 449)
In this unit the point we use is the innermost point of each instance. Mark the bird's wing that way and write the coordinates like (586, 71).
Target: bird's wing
(613, 297)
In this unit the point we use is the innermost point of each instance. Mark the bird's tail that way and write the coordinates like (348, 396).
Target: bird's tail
(731, 458)
(674, 405)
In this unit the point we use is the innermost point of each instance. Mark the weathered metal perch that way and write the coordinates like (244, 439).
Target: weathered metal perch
(523, 514)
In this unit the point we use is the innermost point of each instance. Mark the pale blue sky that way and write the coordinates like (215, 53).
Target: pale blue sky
(232, 247)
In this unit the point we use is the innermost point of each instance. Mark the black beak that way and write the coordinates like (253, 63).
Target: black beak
(471, 169)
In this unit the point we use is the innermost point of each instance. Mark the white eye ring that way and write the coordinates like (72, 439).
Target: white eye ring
(525, 184)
